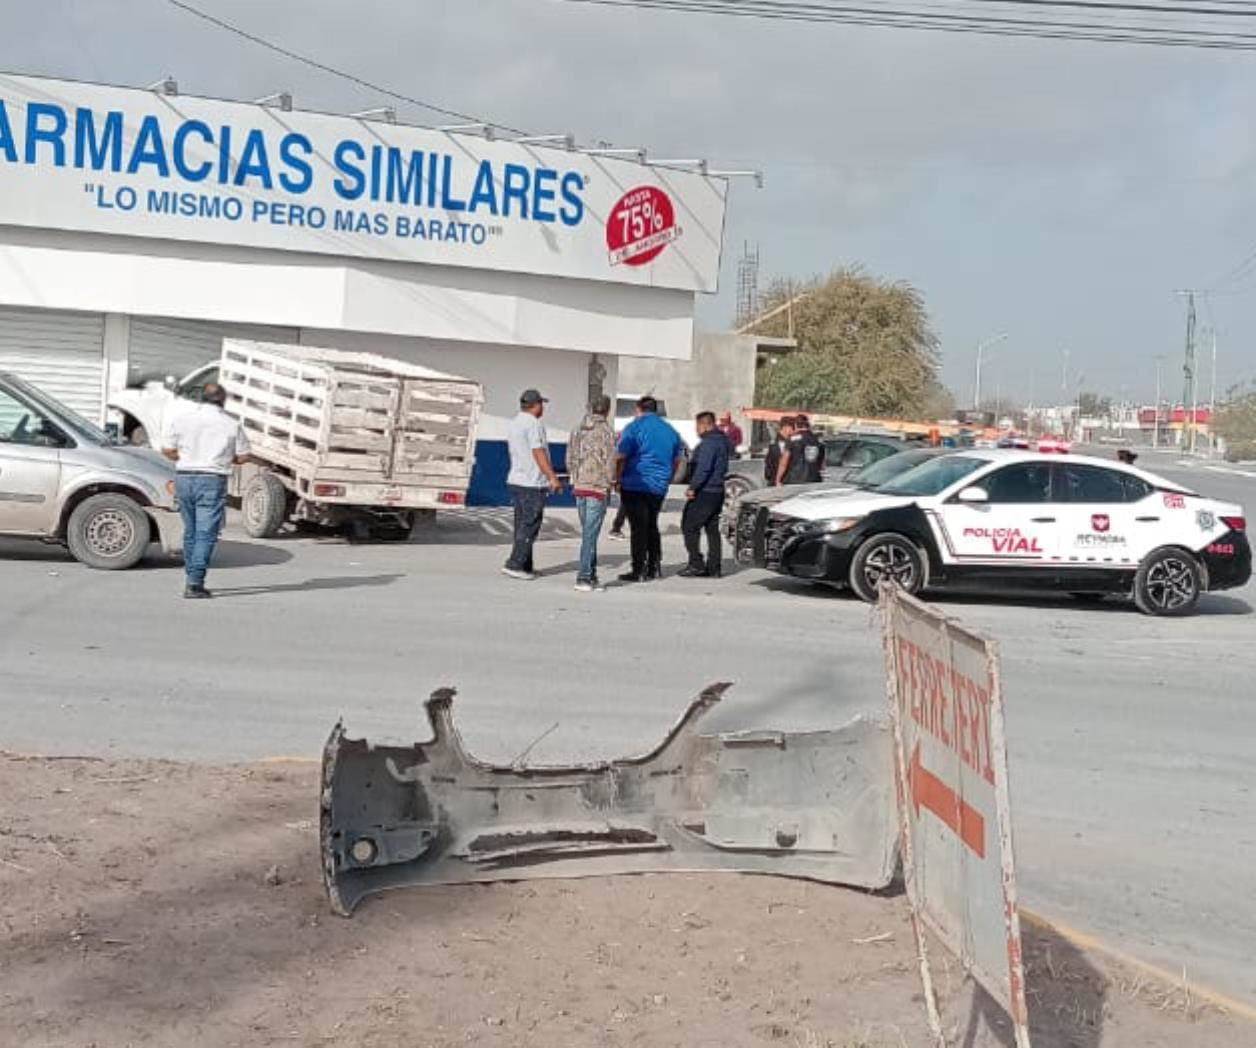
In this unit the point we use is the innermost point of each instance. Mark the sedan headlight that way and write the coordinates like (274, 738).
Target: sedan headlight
(832, 526)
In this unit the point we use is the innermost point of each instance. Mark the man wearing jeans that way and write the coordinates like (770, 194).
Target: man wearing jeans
(204, 442)
(591, 463)
(530, 479)
(649, 455)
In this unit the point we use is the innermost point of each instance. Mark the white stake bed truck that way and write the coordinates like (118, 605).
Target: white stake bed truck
(348, 438)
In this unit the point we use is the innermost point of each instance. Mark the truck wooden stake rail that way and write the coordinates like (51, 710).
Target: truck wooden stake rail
(348, 437)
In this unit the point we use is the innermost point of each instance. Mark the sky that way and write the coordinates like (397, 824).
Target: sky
(1056, 192)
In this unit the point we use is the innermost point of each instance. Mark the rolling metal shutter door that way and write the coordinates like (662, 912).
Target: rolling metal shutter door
(162, 346)
(61, 353)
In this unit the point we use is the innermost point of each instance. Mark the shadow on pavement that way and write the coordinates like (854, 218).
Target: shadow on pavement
(486, 527)
(232, 554)
(802, 588)
(228, 554)
(34, 550)
(333, 583)
(607, 567)
(1209, 603)
(1065, 992)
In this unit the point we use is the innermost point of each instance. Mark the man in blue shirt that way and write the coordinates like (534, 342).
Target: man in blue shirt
(649, 454)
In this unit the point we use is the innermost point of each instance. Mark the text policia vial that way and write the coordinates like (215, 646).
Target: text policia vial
(195, 152)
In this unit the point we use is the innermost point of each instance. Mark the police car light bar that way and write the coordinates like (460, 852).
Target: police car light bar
(567, 141)
(638, 154)
(470, 129)
(281, 99)
(167, 85)
(385, 113)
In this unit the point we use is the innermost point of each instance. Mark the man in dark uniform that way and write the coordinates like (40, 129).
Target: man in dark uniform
(803, 460)
(705, 499)
(772, 462)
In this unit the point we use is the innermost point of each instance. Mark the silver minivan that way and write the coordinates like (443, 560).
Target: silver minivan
(63, 480)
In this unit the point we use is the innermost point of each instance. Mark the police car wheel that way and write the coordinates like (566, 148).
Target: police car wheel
(888, 557)
(1168, 583)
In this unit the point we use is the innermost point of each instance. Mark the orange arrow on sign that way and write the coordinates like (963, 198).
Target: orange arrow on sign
(965, 821)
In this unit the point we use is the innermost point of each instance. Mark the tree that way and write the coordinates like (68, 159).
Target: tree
(865, 347)
(937, 403)
(1092, 405)
(1236, 422)
(1005, 408)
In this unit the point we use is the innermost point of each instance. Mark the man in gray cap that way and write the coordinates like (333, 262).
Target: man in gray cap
(531, 477)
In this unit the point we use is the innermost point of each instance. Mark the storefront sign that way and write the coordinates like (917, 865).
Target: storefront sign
(115, 160)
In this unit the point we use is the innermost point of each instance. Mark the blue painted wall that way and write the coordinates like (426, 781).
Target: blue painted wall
(492, 464)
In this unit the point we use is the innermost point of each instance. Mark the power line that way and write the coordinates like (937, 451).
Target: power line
(958, 19)
(323, 67)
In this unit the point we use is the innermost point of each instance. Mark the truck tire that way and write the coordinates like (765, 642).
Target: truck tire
(109, 532)
(264, 505)
(886, 557)
(1168, 583)
(139, 437)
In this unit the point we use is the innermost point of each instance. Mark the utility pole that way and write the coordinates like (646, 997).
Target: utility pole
(1212, 397)
(1155, 433)
(1077, 408)
(981, 348)
(1188, 365)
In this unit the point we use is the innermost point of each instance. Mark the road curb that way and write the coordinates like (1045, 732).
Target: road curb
(1086, 941)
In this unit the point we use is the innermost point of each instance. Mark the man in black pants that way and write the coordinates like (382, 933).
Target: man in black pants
(648, 456)
(705, 499)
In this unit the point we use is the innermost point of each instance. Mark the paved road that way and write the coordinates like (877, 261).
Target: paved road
(1133, 759)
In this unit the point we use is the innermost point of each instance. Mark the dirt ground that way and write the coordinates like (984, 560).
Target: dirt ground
(155, 903)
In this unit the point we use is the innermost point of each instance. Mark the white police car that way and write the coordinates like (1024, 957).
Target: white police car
(1015, 519)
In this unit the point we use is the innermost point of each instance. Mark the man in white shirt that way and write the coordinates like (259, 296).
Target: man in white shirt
(204, 442)
(531, 477)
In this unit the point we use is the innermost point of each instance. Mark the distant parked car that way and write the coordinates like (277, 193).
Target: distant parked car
(63, 480)
(844, 456)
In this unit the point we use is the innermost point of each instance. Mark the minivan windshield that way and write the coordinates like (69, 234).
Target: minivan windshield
(59, 413)
(933, 476)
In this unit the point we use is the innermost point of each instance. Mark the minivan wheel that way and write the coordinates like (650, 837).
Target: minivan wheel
(1168, 583)
(109, 532)
(888, 557)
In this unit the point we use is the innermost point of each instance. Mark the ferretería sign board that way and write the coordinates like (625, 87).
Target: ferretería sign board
(100, 159)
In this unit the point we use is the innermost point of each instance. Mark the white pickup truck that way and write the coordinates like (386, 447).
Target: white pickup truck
(348, 438)
(626, 411)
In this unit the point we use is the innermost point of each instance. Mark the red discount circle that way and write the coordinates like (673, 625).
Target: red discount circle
(640, 226)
